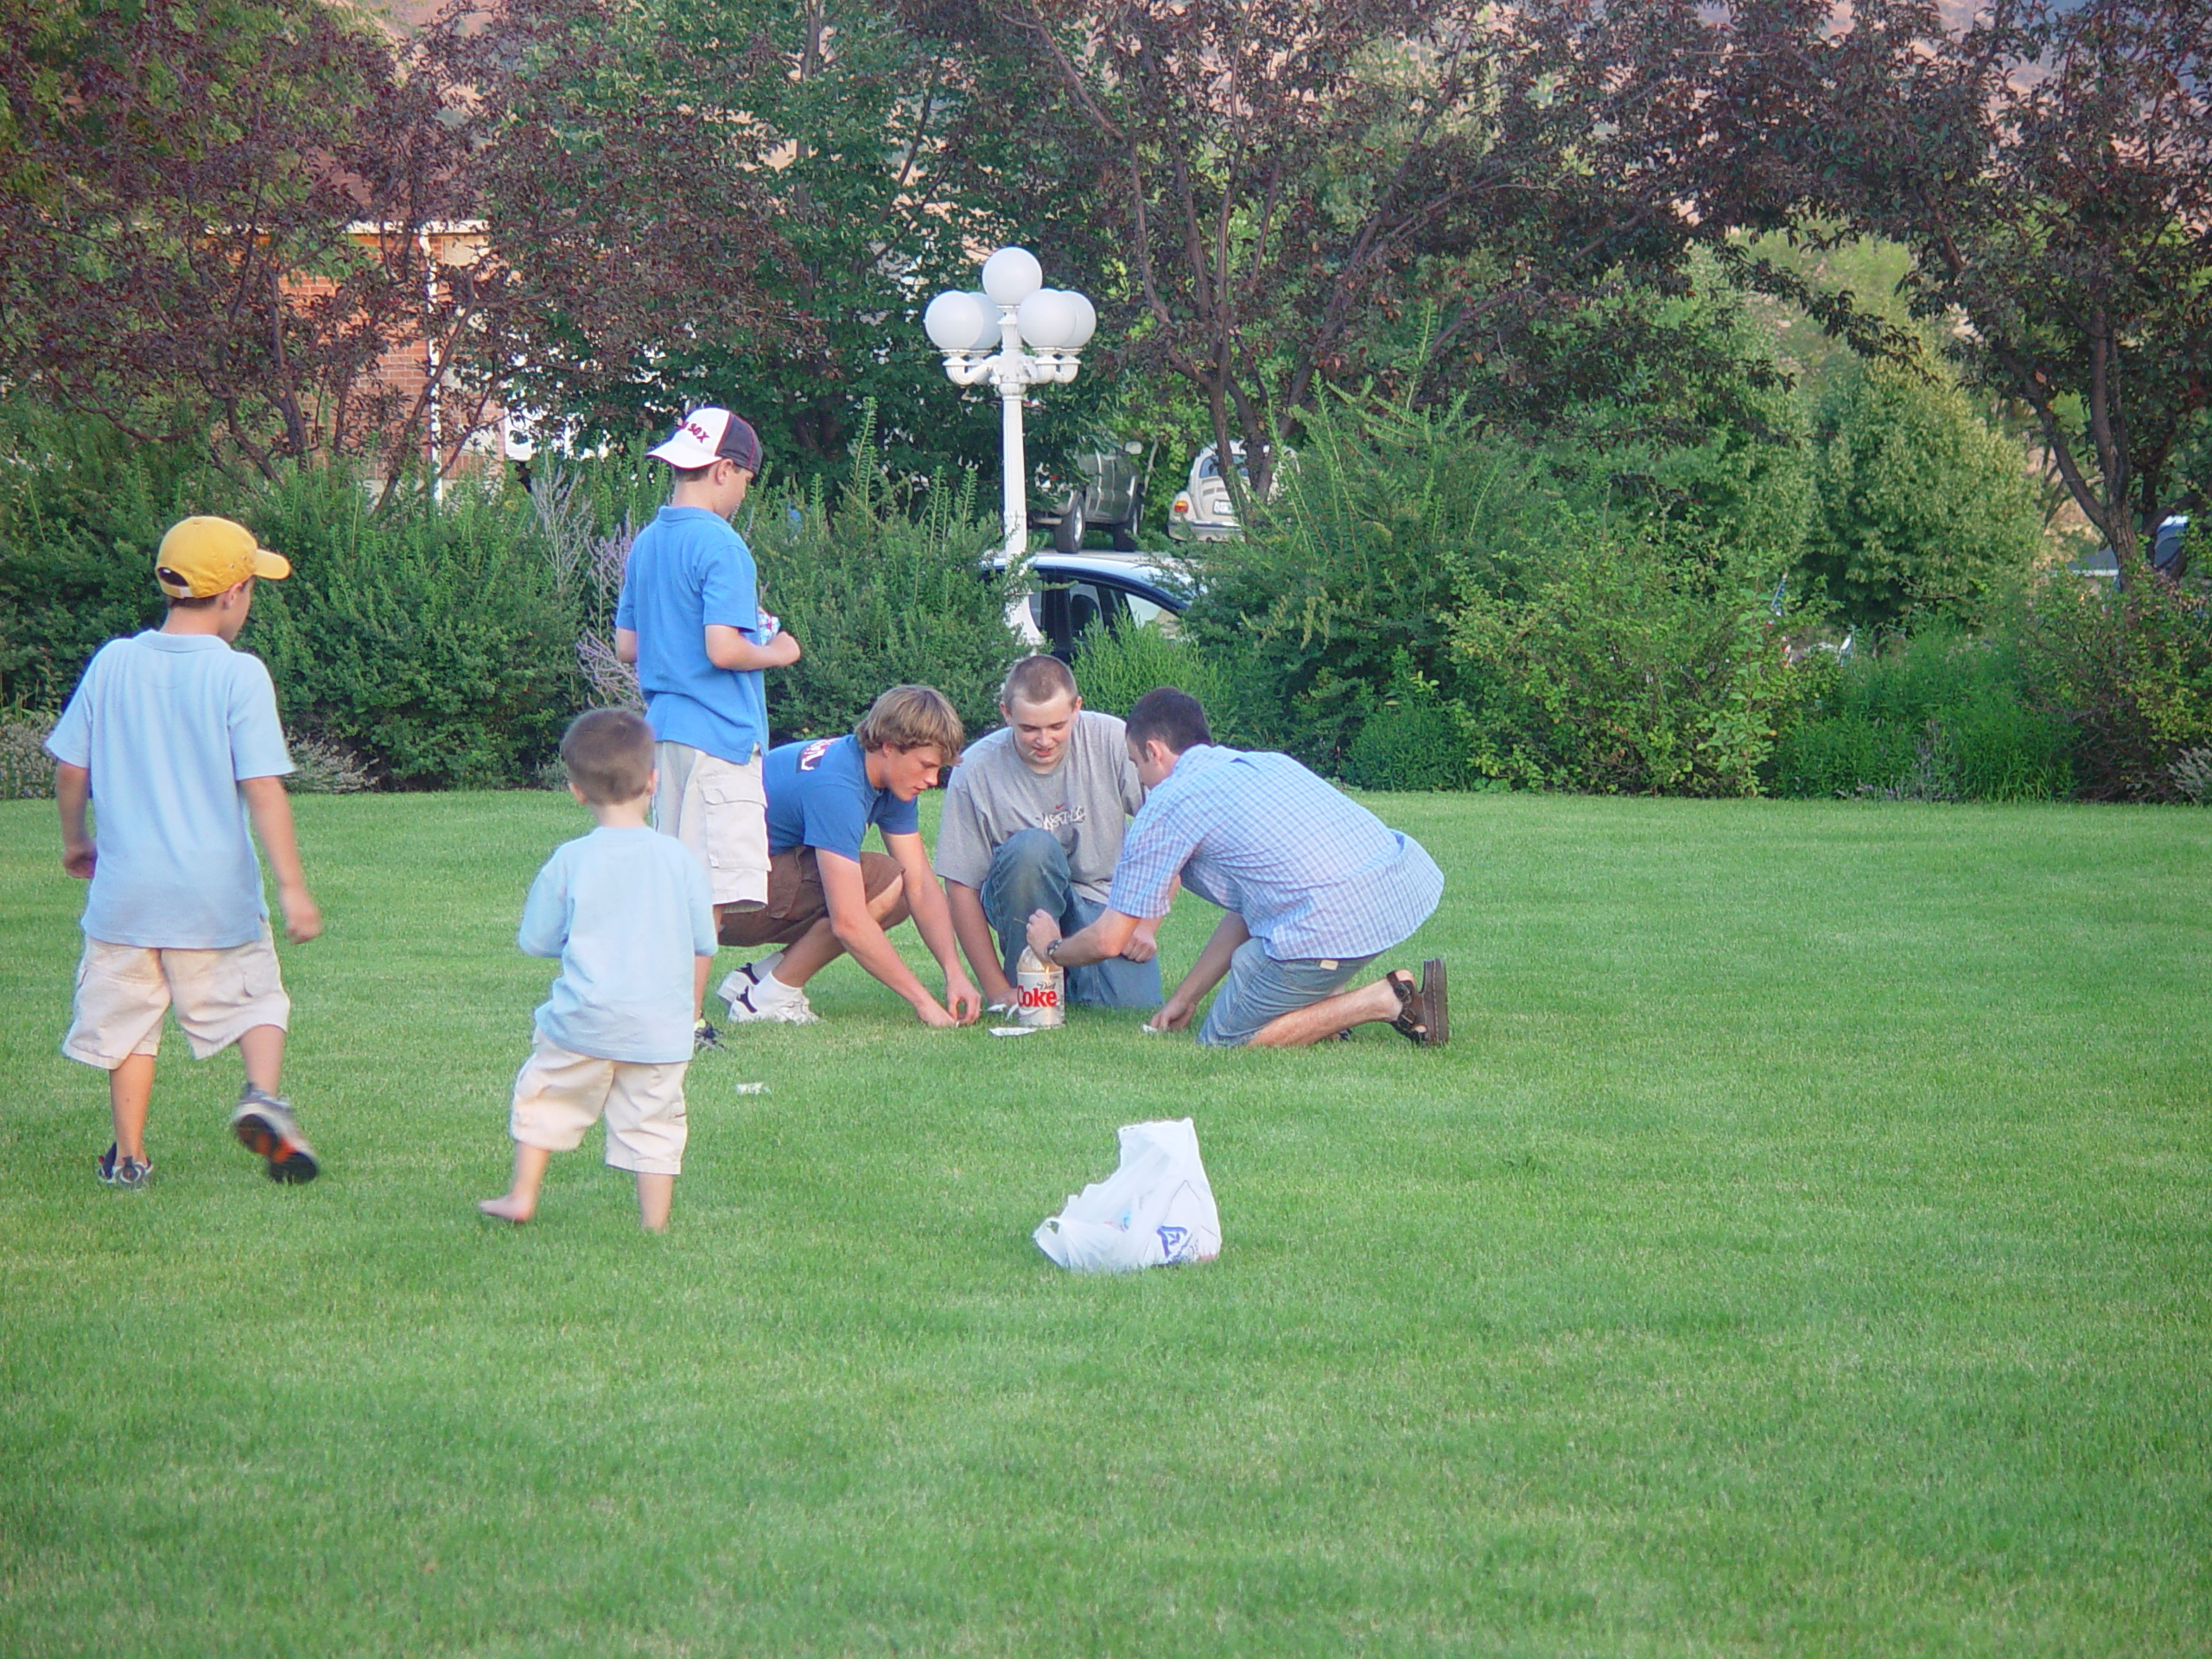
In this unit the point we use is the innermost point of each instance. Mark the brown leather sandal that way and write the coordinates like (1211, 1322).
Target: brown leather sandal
(1424, 1016)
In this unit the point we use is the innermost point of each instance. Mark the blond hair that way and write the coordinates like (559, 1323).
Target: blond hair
(913, 717)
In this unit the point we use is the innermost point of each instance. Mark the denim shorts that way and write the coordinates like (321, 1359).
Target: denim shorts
(1259, 989)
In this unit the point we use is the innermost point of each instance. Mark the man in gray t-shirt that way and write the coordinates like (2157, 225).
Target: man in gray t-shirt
(1034, 818)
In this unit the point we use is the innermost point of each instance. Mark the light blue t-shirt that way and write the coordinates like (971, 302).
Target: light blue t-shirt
(168, 725)
(625, 910)
(819, 797)
(688, 569)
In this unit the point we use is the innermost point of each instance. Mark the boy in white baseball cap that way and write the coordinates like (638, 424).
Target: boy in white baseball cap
(689, 617)
(167, 732)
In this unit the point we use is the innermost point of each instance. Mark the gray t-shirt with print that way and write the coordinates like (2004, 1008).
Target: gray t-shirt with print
(1084, 802)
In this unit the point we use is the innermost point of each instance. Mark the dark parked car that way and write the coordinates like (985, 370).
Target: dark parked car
(2165, 552)
(1070, 591)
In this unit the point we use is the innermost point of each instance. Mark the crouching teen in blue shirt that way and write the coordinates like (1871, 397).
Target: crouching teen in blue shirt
(1315, 886)
(628, 914)
(826, 896)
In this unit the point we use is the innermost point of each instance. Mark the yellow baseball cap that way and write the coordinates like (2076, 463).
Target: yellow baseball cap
(204, 555)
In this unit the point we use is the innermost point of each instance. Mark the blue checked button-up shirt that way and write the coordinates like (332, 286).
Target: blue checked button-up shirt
(1314, 874)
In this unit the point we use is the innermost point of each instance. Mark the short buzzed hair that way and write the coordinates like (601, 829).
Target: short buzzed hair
(1166, 715)
(913, 717)
(1037, 679)
(609, 755)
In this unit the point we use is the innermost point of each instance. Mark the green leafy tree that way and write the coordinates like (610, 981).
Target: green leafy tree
(2048, 163)
(1303, 194)
(740, 201)
(1924, 508)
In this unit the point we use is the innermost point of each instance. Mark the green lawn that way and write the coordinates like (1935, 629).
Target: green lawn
(1801, 1248)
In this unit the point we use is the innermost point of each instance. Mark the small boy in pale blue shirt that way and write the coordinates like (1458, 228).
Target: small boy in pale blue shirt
(628, 912)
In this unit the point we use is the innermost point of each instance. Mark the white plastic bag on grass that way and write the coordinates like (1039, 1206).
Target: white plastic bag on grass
(1156, 1209)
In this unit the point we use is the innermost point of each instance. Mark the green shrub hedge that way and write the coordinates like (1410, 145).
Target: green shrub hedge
(82, 510)
(1112, 671)
(1625, 663)
(429, 637)
(2126, 674)
(883, 587)
(1941, 716)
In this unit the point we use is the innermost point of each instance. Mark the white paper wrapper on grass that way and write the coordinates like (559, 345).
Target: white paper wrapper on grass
(1156, 1209)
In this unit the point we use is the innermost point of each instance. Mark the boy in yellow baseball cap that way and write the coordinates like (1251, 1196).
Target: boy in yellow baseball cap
(167, 734)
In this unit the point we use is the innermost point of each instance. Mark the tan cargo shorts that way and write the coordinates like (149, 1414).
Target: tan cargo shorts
(720, 811)
(122, 991)
(559, 1094)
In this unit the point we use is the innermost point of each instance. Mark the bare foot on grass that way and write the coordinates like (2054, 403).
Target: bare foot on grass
(509, 1208)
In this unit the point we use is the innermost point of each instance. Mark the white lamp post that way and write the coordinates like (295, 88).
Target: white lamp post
(1015, 307)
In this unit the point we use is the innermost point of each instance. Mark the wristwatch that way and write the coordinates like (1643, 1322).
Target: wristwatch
(1052, 953)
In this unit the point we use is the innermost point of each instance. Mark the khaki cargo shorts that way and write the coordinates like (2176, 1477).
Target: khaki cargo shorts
(559, 1094)
(122, 991)
(720, 811)
(796, 901)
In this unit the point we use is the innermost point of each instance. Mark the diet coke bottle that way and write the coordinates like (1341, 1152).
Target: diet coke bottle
(1040, 996)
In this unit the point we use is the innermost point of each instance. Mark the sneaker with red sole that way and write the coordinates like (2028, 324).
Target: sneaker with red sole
(266, 1127)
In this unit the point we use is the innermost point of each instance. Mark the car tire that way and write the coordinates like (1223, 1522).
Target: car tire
(1067, 535)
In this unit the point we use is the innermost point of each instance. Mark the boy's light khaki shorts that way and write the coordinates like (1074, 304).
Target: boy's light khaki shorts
(720, 811)
(122, 991)
(559, 1094)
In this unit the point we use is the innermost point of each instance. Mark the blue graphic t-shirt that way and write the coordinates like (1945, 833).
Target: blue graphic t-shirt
(819, 797)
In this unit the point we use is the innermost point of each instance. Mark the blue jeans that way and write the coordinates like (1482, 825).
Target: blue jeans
(1030, 873)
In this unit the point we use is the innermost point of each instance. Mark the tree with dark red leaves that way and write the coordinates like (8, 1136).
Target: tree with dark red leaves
(2049, 165)
(213, 216)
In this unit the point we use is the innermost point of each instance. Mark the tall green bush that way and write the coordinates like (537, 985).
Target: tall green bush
(1625, 661)
(82, 510)
(1114, 670)
(882, 589)
(1412, 741)
(1940, 715)
(1406, 547)
(1348, 579)
(430, 637)
(2127, 673)
(1924, 509)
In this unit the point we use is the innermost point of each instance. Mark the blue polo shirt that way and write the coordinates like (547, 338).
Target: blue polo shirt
(689, 569)
(819, 797)
(169, 725)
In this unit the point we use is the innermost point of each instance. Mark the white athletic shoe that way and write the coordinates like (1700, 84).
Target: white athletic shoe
(749, 1000)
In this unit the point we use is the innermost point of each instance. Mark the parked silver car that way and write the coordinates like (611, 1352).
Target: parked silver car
(1204, 510)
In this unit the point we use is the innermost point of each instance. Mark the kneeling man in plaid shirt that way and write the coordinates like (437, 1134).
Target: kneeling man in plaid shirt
(1315, 886)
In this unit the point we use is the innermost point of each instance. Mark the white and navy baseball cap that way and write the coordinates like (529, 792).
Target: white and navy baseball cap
(706, 436)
